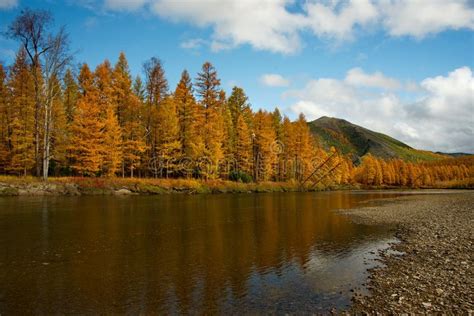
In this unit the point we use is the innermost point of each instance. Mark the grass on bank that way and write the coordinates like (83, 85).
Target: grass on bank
(9, 185)
(13, 185)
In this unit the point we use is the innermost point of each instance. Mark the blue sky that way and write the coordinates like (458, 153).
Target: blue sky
(403, 67)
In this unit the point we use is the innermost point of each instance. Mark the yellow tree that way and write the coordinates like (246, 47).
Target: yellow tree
(70, 94)
(187, 116)
(168, 135)
(369, 170)
(243, 146)
(287, 165)
(212, 131)
(22, 103)
(122, 88)
(228, 131)
(303, 147)
(156, 87)
(264, 148)
(346, 171)
(134, 144)
(4, 122)
(59, 130)
(387, 177)
(139, 89)
(128, 108)
(122, 85)
(86, 150)
(378, 180)
(411, 175)
(280, 138)
(403, 172)
(112, 144)
(48, 55)
(238, 107)
(104, 83)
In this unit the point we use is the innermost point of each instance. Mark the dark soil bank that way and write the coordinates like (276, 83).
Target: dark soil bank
(434, 270)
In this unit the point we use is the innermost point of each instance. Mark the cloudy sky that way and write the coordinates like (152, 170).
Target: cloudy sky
(402, 67)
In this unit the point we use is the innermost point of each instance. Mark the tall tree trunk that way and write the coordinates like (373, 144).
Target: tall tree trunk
(37, 119)
(47, 138)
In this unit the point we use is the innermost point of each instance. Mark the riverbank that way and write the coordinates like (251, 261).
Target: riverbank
(30, 186)
(431, 269)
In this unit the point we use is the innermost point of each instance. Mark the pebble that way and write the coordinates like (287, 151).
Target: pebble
(435, 231)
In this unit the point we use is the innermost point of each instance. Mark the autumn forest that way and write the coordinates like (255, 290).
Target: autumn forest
(64, 121)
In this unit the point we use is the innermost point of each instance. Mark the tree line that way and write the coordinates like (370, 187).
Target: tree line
(103, 122)
(374, 171)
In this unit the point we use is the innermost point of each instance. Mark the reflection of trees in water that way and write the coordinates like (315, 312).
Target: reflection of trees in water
(183, 254)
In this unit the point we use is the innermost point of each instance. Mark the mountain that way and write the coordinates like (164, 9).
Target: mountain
(357, 141)
(455, 155)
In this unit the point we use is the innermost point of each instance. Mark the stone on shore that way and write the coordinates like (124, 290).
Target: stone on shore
(435, 273)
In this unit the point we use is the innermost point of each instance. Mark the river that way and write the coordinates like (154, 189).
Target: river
(193, 254)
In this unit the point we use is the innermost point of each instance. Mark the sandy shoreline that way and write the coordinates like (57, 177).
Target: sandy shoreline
(435, 273)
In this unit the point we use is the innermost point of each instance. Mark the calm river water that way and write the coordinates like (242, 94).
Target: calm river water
(244, 253)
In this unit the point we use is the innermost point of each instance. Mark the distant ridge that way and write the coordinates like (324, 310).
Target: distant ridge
(454, 154)
(357, 141)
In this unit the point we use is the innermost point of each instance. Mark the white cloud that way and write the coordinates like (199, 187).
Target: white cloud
(8, 4)
(419, 18)
(452, 97)
(442, 119)
(265, 25)
(270, 25)
(338, 21)
(274, 80)
(357, 77)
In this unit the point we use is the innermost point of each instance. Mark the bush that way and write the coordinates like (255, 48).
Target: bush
(240, 176)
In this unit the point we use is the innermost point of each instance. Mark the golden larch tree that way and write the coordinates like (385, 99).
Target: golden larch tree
(111, 144)
(212, 131)
(168, 135)
(133, 135)
(187, 116)
(4, 122)
(243, 146)
(59, 130)
(70, 94)
(22, 103)
(86, 150)
(156, 87)
(303, 148)
(265, 153)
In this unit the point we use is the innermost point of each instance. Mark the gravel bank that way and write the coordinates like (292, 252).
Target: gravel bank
(431, 270)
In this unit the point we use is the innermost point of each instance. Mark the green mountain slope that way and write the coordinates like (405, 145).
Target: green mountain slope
(357, 141)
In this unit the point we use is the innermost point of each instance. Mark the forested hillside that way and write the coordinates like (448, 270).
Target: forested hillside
(358, 141)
